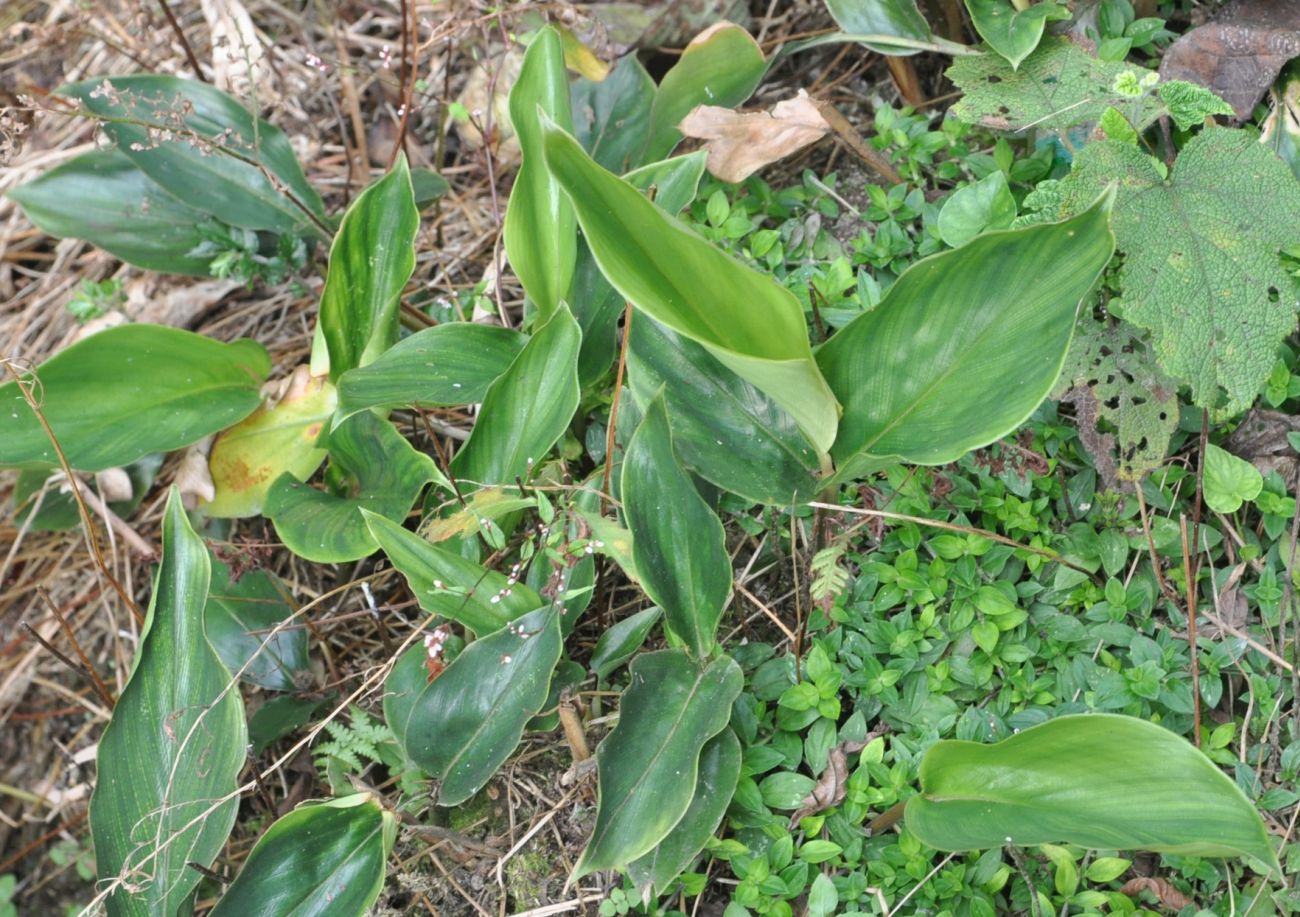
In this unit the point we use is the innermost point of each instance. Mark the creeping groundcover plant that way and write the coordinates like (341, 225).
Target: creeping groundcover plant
(658, 380)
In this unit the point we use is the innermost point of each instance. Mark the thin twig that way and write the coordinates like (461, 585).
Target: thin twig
(102, 689)
(185, 42)
(613, 407)
(1191, 633)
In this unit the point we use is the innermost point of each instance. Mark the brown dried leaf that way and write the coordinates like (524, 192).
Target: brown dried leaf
(1170, 897)
(830, 788)
(739, 144)
(1240, 53)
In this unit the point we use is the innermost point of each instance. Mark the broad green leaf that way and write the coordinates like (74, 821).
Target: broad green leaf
(56, 510)
(323, 859)
(384, 475)
(719, 770)
(540, 233)
(469, 719)
(103, 198)
(883, 18)
(169, 758)
(444, 365)
(1201, 270)
(280, 716)
(620, 642)
(966, 344)
(446, 584)
(1055, 88)
(1115, 374)
(647, 765)
(671, 184)
(128, 391)
(716, 415)
(527, 409)
(1096, 780)
(822, 897)
(677, 540)
(204, 147)
(1229, 480)
(1013, 33)
(721, 66)
(240, 616)
(749, 322)
(980, 206)
(371, 260)
(612, 117)
(403, 686)
(246, 459)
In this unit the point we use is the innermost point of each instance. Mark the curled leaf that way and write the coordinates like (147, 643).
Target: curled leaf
(739, 144)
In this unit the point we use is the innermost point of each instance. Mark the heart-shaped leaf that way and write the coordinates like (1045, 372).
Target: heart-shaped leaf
(1229, 481)
(1097, 780)
(1013, 32)
(323, 858)
(128, 391)
(978, 207)
(169, 758)
(648, 764)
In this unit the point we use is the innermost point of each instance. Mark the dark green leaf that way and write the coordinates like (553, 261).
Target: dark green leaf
(404, 685)
(677, 540)
(612, 117)
(371, 260)
(239, 618)
(169, 758)
(103, 198)
(527, 409)
(648, 763)
(128, 391)
(56, 510)
(620, 642)
(445, 365)
(386, 476)
(427, 186)
(323, 859)
(280, 716)
(466, 723)
(892, 18)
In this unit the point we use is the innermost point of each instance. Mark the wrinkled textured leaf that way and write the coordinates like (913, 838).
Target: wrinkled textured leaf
(612, 117)
(1058, 86)
(1013, 33)
(741, 143)
(898, 18)
(247, 458)
(527, 409)
(444, 365)
(466, 723)
(386, 475)
(203, 146)
(1096, 780)
(540, 231)
(721, 66)
(239, 618)
(716, 415)
(1201, 270)
(447, 584)
(647, 765)
(677, 540)
(620, 642)
(1229, 481)
(719, 771)
(978, 207)
(965, 344)
(371, 260)
(128, 391)
(323, 859)
(103, 198)
(743, 317)
(169, 758)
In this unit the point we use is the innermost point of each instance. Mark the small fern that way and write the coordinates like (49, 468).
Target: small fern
(829, 579)
(363, 741)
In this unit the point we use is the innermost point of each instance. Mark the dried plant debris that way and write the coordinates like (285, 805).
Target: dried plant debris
(739, 144)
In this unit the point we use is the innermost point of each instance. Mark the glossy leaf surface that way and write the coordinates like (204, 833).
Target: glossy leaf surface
(677, 540)
(169, 758)
(620, 642)
(1095, 780)
(965, 344)
(719, 771)
(447, 584)
(648, 763)
(469, 719)
(444, 365)
(371, 260)
(247, 458)
(240, 617)
(403, 686)
(103, 198)
(215, 153)
(744, 318)
(721, 66)
(128, 391)
(386, 475)
(540, 232)
(895, 18)
(323, 859)
(527, 409)
(716, 415)
(1013, 33)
